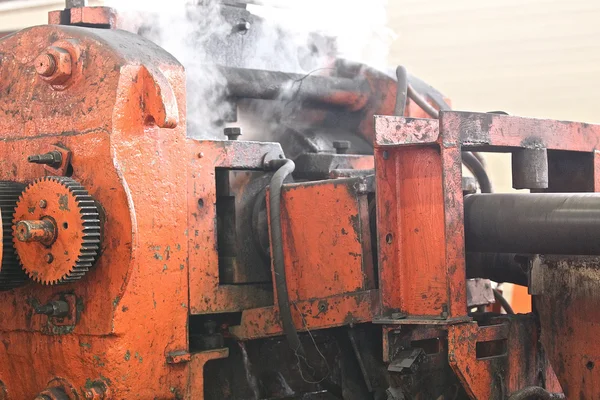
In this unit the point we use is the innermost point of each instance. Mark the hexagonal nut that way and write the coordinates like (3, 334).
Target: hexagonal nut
(62, 65)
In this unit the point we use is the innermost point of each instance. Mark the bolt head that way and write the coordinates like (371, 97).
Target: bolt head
(43, 204)
(49, 258)
(45, 64)
(341, 144)
(232, 133)
(63, 66)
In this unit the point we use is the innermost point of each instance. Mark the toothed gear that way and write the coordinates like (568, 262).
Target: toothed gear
(76, 222)
(11, 273)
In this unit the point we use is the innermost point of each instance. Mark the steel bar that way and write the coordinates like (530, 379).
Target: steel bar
(275, 85)
(533, 223)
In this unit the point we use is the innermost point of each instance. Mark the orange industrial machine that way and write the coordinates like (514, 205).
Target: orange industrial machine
(141, 263)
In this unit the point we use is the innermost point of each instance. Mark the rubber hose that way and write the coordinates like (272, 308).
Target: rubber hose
(478, 170)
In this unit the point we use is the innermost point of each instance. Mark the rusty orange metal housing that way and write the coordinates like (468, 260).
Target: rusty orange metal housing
(130, 105)
(115, 104)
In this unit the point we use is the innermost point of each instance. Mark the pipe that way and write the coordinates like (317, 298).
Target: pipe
(421, 102)
(503, 302)
(275, 85)
(285, 168)
(283, 298)
(401, 91)
(478, 170)
(533, 223)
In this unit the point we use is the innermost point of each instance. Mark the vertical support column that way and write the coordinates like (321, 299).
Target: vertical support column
(419, 220)
(596, 171)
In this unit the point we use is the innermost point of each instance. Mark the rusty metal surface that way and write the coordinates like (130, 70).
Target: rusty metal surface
(140, 281)
(195, 389)
(419, 220)
(494, 361)
(207, 294)
(326, 255)
(93, 17)
(319, 313)
(317, 166)
(503, 131)
(567, 302)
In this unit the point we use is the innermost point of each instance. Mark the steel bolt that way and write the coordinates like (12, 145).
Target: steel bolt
(52, 158)
(58, 308)
(233, 133)
(45, 64)
(43, 204)
(54, 65)
(49, 258)
(341, 146)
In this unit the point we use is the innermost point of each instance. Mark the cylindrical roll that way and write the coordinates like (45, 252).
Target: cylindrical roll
(539, 223)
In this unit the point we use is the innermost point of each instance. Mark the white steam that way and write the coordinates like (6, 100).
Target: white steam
(294, 38)
(359, 26)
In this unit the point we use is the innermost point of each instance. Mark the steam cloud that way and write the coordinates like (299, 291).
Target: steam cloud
(187, 28)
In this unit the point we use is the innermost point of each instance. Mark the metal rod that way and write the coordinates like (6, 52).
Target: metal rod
(401, 90)
(533, 223)
(421, 102)
(274, 85)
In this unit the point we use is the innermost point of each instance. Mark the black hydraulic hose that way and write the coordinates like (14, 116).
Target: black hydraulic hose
(285, 168)
(401, 91)
(283, 298)
(503, 302)
(478, 170)
(535, 393)
(421, 102)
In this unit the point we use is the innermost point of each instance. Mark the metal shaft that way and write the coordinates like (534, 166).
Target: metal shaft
(43, 231)
(538, 223)
(272, 85)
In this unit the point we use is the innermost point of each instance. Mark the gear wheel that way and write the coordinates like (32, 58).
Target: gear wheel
(11, 273)
(56, 230)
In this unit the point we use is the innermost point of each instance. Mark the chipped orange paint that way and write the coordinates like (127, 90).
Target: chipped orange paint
(497, 374)
(419, 219)
(207, 295)
(326, 237)
(135, 299)
(321, 313)
(104, 17)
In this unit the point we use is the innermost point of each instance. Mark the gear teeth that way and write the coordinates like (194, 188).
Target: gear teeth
(91, 234)
(11, 273)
